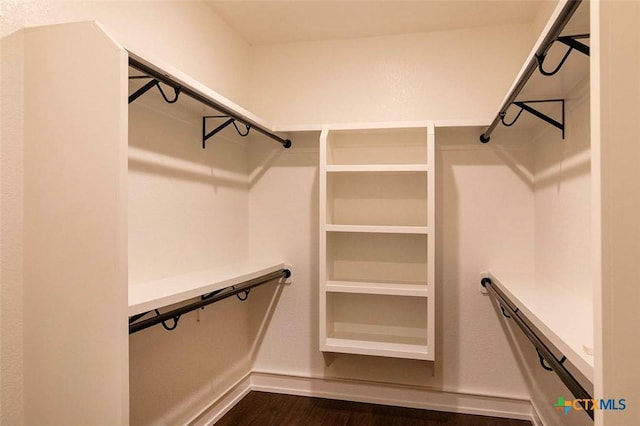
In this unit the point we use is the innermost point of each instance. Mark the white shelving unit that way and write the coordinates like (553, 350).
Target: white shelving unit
(376, 241)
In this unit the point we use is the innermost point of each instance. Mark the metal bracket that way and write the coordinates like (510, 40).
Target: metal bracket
(206, 135)
(151, 84)
(523, 105)
(573, 43)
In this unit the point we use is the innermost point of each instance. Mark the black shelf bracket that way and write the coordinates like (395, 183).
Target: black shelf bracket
(524, 106)
(573, 43)
(547, 359)
(230, 120)
(150, 85)
(550, 37)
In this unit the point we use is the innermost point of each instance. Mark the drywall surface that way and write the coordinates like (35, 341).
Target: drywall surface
(462, 74)
(484, 208)
(191, 38)
(75, 363)
(563, 206)
(615, 104)
(563, 247)
(11, 237)
(188, 210)
(185, 34)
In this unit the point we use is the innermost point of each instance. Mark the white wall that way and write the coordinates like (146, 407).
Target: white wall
(390, 78)
(189, 36)
(186, 34)
(477, 224)
(188, 210)
(615, 126)
(563, 243)
(563, 202)
(73, 321)
(385, 79)
(460, 74)
(11, 240)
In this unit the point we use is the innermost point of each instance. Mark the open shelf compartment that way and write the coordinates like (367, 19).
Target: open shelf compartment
(394, 199)
(378, 147)
(371, 324)
(382, 263)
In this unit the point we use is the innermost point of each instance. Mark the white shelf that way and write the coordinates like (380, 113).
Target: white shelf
(150, 295)
(376, 229)
(377, 168)
(377, 347)
(383, 288)
(565, 319)
(197, 87)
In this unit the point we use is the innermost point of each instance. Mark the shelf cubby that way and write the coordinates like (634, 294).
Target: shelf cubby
(373, 257)
(372, 147)
(378, 324)
(377, 198)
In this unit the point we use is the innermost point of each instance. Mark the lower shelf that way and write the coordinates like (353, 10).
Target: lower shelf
(564, 318)
(373, 287)
(376, 324)
(364, 346)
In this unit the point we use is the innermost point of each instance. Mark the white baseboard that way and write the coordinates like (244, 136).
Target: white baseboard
(369, 392)
(222, 405)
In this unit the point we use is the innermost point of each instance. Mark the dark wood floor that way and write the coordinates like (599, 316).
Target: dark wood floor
(262, 409)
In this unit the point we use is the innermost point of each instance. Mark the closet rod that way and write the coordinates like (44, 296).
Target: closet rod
(168, 80)
(235, 289)
(543, 350)
(557, 27)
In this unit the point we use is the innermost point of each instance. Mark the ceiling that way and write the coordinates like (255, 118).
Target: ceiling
(275, 22)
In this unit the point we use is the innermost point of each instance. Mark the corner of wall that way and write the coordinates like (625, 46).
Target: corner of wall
(11, 228)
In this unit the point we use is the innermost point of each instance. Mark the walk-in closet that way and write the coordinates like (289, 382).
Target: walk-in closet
(384, 211)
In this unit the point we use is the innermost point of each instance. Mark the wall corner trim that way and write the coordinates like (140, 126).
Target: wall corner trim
(367, 392)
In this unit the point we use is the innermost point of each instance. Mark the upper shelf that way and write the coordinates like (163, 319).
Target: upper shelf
(553, 311)
(340, 168)
(570, 18)
(573, 73)
(151, 295)
(378, 229)
(192, 88)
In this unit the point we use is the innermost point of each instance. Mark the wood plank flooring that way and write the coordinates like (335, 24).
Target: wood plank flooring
(263, 409)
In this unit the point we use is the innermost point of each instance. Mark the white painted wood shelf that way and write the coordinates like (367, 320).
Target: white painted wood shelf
(377, 347)
(563, 318)
(150, 295)
(378, 229)
(377, 168)
(376, 241)
(388, 288)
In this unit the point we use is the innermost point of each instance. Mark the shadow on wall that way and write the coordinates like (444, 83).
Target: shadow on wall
(167, 140)
(284, 224)
(174, 374)
(485, 206)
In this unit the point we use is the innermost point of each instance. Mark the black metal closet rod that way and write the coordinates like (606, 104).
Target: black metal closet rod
(563, 18)
(556, 365)
(235, 289)
(166, 79)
